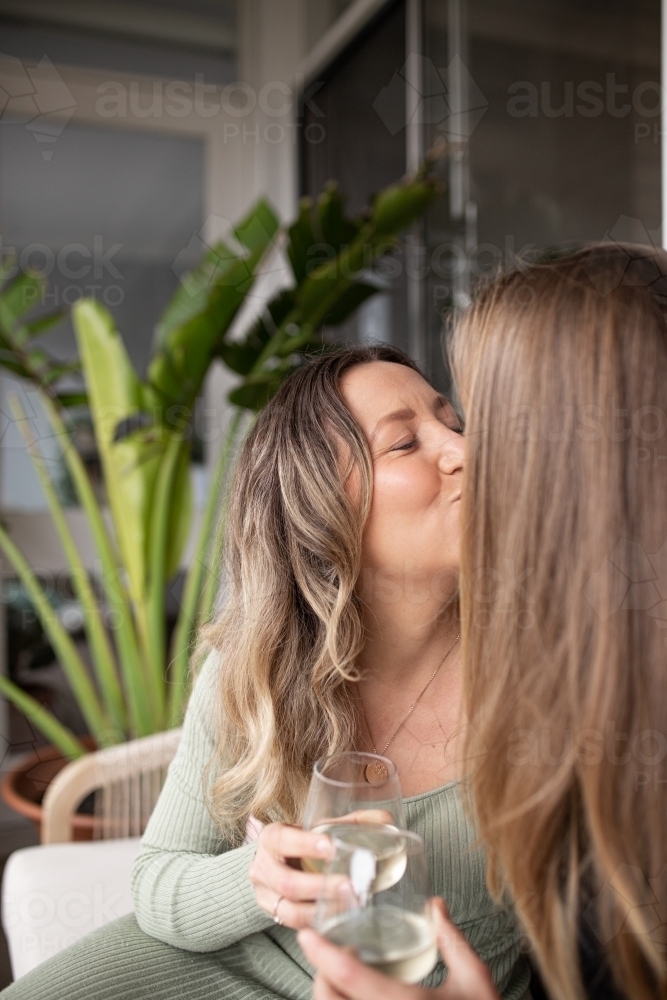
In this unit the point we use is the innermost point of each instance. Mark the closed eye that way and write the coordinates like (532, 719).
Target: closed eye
(405, 447)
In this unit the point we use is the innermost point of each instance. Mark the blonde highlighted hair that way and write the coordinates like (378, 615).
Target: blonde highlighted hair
(562, 371)
(291, 626)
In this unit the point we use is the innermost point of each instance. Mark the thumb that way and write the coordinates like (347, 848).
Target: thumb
(468, 978)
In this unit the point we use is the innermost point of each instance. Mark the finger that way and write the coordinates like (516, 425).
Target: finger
(345, 973)
(468, 976)
(285, 841)
(323, 990)
(266, 898)
(296, 915)
(284, 881)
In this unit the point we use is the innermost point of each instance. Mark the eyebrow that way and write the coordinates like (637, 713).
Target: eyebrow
(405, 414)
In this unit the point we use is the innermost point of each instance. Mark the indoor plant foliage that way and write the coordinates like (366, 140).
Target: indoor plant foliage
(143, 432)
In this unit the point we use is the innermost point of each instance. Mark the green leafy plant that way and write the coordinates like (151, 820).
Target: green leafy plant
(143, 430)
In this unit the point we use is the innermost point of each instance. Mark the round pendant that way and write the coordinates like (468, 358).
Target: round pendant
(376, 773)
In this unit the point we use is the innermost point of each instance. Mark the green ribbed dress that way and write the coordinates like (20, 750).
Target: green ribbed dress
(197, 931)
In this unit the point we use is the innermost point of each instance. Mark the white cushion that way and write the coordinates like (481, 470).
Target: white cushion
(55, 894)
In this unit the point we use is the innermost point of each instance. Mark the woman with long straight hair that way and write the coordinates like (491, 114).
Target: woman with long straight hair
(339, 630)
(562, 374)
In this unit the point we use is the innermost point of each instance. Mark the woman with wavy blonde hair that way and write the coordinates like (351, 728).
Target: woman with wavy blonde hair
(339, 630)
(562, 372)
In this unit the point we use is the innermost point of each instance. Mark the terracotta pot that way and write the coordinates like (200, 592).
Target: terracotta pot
(24, 786)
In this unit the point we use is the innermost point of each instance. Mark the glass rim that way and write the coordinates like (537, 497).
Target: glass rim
(391, 768)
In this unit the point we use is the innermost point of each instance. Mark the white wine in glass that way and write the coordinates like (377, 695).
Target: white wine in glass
(400, 944)
(391, 929)
(381, 839)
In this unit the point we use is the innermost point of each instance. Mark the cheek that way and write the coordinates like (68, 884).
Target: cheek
(404, 514)
(404, 489)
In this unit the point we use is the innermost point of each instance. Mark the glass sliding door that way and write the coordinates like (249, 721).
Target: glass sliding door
(556, 107)
(551, 114)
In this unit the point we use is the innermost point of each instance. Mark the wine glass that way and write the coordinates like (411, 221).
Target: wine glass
(355, 796)
(391, 928)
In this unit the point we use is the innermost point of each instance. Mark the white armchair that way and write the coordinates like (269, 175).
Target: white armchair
(58, 892)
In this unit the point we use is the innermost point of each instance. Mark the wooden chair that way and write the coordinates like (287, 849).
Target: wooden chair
(56, 893)
(126, 780)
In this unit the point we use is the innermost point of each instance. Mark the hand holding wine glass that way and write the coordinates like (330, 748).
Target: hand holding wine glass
(286, 893)
(342, 976)
(340, 795)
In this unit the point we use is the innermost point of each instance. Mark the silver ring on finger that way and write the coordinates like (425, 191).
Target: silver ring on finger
(276, 918)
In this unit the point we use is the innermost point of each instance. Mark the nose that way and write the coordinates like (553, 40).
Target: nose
(451, 452)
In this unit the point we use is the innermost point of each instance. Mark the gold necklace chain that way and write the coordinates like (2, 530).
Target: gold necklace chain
(412, 707)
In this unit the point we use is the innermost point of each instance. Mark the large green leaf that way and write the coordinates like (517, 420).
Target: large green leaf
(254, 396)
(399, 205)
(191, 297)
(329, 287)
(19, 297)
(336, 228)
(242, 355)
(301, 239)
(57, 734)
(349, 301)
(258, 228)
(180, 513)
(200, 314)
(176, 372)
(393, 210)
(130, 465)
(281, 305)
(254, 232)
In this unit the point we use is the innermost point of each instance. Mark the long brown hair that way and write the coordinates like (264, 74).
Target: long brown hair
(291, 626)
(562, 371)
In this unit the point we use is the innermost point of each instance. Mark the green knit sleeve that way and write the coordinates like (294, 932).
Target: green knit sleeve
(190, 888)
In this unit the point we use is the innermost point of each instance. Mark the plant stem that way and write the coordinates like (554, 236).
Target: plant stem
(100, 647)
(57, 734)
(64, 648)
(158, 568)
(123, 620)
(210, 588)
(187, 623)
